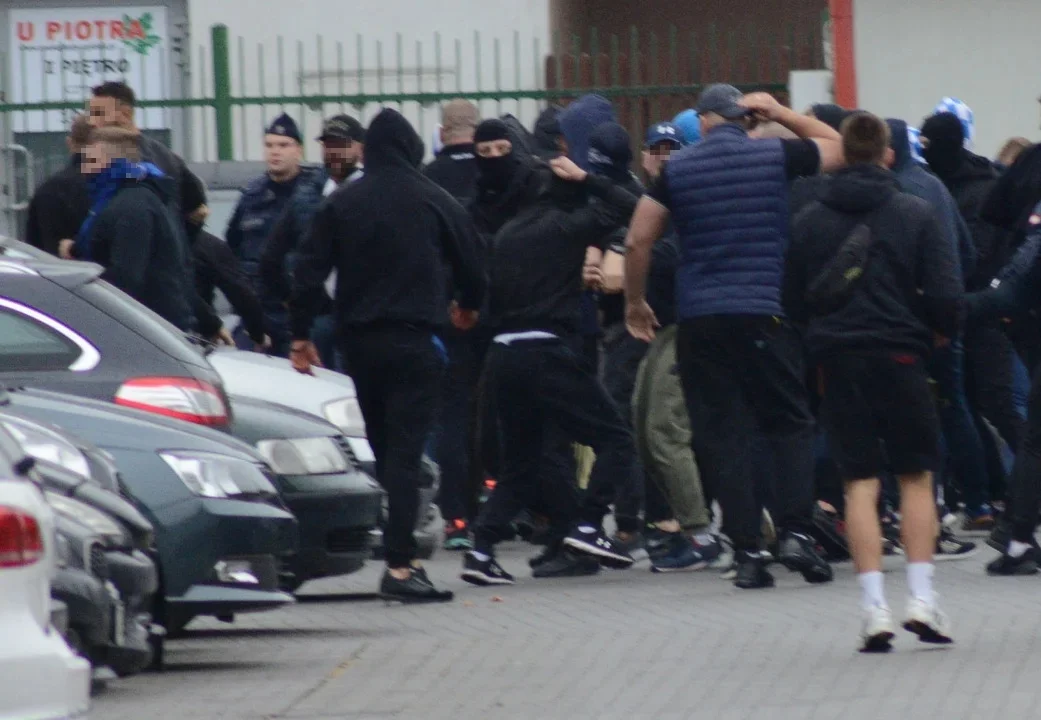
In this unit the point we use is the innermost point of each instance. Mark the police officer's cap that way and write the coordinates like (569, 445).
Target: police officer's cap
(284, 126)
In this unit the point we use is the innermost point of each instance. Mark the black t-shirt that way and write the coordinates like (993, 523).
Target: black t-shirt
(801, 159)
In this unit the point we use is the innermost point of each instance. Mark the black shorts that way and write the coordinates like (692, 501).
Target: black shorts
(880, 415)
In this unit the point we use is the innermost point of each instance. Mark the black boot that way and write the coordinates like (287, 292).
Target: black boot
(416, 589)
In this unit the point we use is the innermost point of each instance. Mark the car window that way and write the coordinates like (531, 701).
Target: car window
(26, 345)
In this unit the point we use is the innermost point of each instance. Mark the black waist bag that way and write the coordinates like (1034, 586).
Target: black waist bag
(837, 283)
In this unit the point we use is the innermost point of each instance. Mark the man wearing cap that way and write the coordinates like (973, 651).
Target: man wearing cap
(263, 201)
(740, 360)
(343, 142)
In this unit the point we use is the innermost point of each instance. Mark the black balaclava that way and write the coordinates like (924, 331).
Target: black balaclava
(830, 114)
(944, 138)
(495, 173)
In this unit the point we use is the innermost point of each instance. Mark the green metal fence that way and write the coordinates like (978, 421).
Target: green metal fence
(214, 99)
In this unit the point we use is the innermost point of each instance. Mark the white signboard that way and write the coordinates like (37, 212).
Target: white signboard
(59, 54)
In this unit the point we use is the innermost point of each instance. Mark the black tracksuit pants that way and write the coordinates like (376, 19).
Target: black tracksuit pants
(397, 372)
(542, 396)
(1025, 484)
(744, 376)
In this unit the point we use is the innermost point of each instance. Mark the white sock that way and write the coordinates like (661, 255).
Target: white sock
(871, 592)
(480, 557)
(920, 581)
(1017, 549)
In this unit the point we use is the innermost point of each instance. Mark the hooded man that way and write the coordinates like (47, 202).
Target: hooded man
(947, 365)
(989, 354)
(131, 231)
(549, 143)
(396, 241)
(60, 204)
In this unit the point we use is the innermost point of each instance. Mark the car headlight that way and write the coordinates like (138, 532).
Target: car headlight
(217, 476)
(48, 446)
(97, 521)
(303, 456)
(346, 415)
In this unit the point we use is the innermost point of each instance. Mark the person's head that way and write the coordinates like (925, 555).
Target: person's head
(689, 124)
(720, 104)
(79, 133)
(965, 116)
(865, 140)
(112, 105)
(283, 148)
(943, 139)
(1011, 151)
(662, 139)
(768, 130)
(343, 144)
(106, 145)
(496, 161)
(830, 114)
(459, 119)
(610, 151)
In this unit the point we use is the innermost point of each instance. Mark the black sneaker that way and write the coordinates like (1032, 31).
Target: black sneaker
(484, 572)
(597, 544)
(751, 571)
(800, 553)
(1006, 565)
(565, 563)
(949, 547)
(657, 542)
(416, 589)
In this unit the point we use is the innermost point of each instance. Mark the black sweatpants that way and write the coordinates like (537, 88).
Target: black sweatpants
(455, 422)
(397, 372)
(1025, 484)
(542, 396)
(742, 376)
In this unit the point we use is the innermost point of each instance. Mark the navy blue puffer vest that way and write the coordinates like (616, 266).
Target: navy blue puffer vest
(728, 197)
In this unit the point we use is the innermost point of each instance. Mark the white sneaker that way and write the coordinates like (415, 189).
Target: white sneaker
(878, 630)
(928, 622)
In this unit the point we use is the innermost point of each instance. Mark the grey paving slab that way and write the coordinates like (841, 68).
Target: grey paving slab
(619, 646)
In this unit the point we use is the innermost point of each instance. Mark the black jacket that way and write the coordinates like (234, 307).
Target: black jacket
(970, 184)
(143, 252)
(455, 170)
(911, 284)
(388, 236)
(217, 268)
(58, 208)
(184, 183)
(536, 258)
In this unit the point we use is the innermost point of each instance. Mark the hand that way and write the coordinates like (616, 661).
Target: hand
(199, 214)
(640, 320)
(304, 356)
(65, 248)
(462, 319)
(565, 169)
(763, 105)
(592, 277)
(264, 345)
(223, 337)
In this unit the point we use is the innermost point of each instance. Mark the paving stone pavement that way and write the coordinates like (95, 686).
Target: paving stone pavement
(619, 646)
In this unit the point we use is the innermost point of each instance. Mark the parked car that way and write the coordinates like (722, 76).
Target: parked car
(110, 579)
(40, 677)
(333, 396)
(222, 532)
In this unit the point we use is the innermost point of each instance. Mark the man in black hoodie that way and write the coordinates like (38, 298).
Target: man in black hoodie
(59, 205)
(392, 237)
(131, 231)
(871, 274)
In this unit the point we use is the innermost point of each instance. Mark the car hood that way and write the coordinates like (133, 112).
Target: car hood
(112, 426)
(62, 481)
(261, 377)
(257, 420)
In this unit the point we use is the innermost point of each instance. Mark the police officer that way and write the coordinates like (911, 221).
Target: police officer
(262, 203)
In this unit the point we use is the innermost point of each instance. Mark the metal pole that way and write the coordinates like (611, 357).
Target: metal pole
(220, 47)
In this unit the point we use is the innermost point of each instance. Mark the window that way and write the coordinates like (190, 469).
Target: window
(26, 345)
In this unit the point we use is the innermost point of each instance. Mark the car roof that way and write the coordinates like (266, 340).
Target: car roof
(67, 273)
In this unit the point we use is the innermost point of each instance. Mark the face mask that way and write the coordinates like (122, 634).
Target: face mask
(496, 173)
(943, 157)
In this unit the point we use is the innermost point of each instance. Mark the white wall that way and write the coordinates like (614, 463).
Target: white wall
(258, 24)
(911, 53)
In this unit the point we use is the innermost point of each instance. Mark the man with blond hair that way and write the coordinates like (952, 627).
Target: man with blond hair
(454, 168)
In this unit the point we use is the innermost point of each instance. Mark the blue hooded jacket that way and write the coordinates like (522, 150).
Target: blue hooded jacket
(916, 180)
(577, 122)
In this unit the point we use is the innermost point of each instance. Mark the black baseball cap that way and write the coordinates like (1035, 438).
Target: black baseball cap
(342, 127)
(723, 100)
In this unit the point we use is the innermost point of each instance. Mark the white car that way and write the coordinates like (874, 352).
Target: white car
(40, 677)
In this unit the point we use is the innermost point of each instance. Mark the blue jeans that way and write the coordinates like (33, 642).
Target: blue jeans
(1020, 385)
(323, 334)
(960, 434)
(276, 324)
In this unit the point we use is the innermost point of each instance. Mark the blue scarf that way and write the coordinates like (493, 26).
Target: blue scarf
(102, 188)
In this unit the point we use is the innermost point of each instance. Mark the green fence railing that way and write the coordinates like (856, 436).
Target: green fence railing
(215, 98)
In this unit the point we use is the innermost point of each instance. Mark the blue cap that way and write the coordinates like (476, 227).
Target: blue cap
(689, 123)
(285, 126)
(664, 132)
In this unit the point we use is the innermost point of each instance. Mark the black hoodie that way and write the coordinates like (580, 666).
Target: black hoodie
(388, 236)
(58, 208)
(911, 285)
